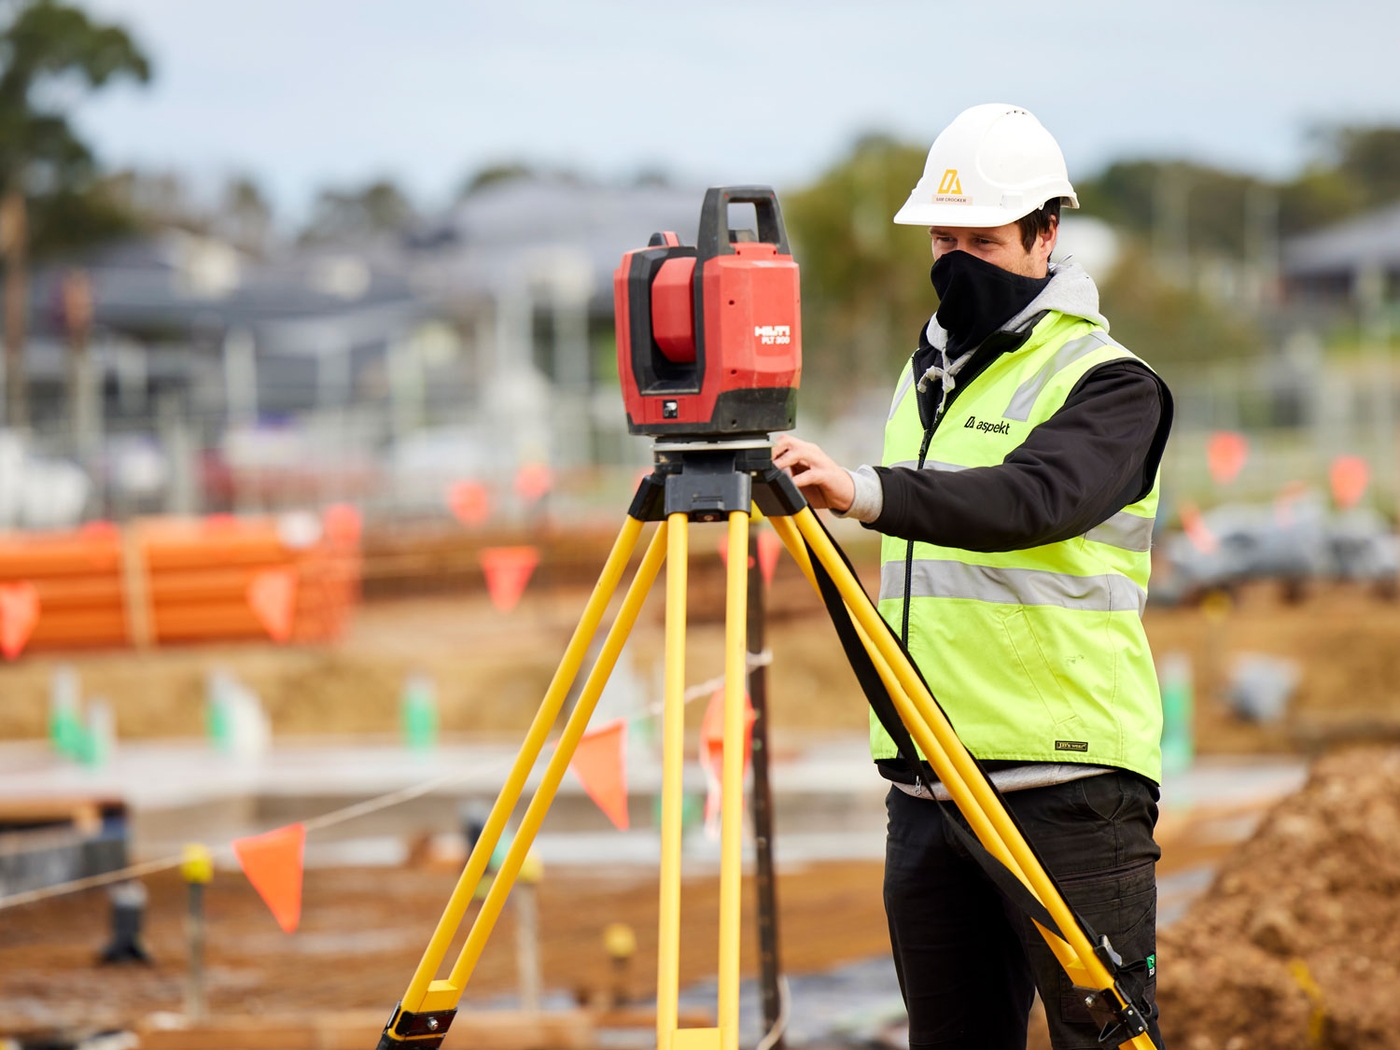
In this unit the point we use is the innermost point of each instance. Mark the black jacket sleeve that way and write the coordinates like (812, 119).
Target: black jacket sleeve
(1096, 455)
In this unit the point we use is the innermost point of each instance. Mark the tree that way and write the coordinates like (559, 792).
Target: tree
(350, 215)
(493, 174)
(1172, 328)
(1357, 168)
(865, 285)
(244, 214)
(46, 48)
(1352, 170)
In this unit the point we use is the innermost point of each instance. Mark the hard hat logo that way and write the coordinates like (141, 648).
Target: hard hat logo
(950, 182)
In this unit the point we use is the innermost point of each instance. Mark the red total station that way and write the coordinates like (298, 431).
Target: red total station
(709, 339)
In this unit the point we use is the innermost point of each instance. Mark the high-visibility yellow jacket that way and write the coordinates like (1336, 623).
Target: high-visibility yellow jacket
(1037, 655)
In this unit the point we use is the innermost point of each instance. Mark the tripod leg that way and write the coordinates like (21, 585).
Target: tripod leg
(978, 821)
(958, 772)
(732, 779)
(413, 999)
(668, 936)
(559, 762)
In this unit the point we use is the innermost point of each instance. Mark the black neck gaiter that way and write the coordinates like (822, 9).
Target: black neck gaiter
(975, 298)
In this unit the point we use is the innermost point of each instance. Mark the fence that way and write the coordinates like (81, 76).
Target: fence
(1297, 413)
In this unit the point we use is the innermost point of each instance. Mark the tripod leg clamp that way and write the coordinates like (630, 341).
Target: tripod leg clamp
(1123, 1010)
(415, 1031)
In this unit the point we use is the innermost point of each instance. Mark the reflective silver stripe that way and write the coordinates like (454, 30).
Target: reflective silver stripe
(929, 464)
(901, 390)
(1129, 532)
(1024, 399)
(983, 583)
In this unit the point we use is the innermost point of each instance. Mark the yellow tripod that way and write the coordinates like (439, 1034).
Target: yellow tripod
(715, 481)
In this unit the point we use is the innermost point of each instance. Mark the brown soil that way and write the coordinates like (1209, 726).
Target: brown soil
(363, 931)
(1297, 944)
(492, 669)
(1343, 639)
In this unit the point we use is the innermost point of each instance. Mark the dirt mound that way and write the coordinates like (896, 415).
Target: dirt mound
(1297, 944)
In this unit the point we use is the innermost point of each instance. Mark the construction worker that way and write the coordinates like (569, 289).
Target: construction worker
(1016, 501)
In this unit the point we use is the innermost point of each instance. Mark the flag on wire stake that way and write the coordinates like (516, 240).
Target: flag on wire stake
(273, 864)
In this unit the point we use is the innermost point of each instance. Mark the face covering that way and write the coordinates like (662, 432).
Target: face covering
(975, 298)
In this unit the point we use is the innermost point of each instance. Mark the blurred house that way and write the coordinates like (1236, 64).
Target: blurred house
(524, 266)
(1357, 260)
(194, 344)
(378, 367)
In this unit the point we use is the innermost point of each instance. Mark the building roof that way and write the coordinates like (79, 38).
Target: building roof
(531, 231)
(1368, 240)
(179, 287)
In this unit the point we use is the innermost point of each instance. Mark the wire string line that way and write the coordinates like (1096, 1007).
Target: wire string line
(335, 816)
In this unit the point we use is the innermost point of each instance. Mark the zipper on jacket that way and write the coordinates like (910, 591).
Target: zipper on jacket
(939, 415)
(909, 548)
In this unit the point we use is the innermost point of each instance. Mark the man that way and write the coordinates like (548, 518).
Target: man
(1016, 501)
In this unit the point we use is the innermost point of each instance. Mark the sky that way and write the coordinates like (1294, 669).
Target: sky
(303, 94)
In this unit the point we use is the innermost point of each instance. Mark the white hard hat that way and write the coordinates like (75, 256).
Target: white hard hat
(993, 164)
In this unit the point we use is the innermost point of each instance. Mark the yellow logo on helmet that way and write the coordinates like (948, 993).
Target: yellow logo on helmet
(949, 183)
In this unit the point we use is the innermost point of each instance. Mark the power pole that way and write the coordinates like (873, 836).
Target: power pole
(14, 248)
(84, 384)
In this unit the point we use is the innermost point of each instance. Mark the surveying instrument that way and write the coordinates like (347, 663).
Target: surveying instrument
(709, 355)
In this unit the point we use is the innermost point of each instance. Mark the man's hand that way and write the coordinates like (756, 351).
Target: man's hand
(818, 477)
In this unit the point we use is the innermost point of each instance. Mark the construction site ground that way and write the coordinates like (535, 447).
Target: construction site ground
(491, 669)
(1227, 966)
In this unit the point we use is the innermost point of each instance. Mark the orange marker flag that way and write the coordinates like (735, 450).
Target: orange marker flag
(1350, 475)
(507, 570)
(343, 524)
(1197, 531)
(469, 502)
(712, 754)
(769, 548)
(273, 864)
(272, 595)
(600, 763)
(19, 612)
(1226, 452)
(532, 481)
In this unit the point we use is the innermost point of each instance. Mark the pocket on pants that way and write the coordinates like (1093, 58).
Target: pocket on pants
(1122, 905)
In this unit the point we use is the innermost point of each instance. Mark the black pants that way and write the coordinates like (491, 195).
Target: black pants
(969, 961)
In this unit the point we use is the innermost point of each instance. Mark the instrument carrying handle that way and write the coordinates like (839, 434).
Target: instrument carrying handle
(714, 219)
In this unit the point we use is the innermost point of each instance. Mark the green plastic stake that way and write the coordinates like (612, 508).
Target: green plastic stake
(218, 719)
(66, 730)
(1178, 733)
(418, 712)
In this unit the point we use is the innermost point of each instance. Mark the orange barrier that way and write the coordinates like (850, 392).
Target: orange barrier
(158, 581)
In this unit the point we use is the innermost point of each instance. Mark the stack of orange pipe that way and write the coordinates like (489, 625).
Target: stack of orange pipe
(78, 579)
(161, 581)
